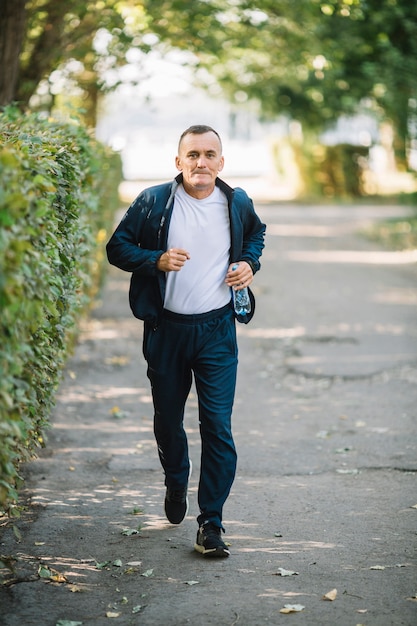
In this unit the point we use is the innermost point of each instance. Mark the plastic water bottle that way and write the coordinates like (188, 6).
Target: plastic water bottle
(241, 300)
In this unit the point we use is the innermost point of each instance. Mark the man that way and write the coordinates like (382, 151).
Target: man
(181, 240)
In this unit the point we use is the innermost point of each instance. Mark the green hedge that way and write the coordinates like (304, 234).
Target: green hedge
(332, 171)
(58, 195)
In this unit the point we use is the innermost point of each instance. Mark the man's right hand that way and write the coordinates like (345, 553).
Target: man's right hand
(172, 260)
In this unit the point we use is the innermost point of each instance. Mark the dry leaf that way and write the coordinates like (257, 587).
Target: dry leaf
(191, 582)
(117, 360)
(331, 595)
(292, 608)
(380, 567)
(118, 413)
(128, 532)
(57, 577)
(117, 563)
(112, 614)
(51, 574)
(148, 573)
(285, 572)
(17, 534)
(75, 588)
(362, 611)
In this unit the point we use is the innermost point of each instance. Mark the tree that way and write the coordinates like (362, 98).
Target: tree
(12, 25)
(311, 60)
(78, 40)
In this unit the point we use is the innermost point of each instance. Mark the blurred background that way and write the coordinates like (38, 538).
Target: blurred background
(312, 98)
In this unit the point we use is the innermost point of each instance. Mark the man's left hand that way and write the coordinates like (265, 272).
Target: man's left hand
(241, 277)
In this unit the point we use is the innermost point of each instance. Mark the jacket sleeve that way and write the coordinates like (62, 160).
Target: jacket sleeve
(253, 236)
(124, 247)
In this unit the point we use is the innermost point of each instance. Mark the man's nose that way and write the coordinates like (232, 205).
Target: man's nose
(201, 161)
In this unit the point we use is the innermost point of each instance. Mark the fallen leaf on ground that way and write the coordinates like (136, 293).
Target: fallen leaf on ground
(134, 563)
(380, 567)
(102, 565)
(285, 572)
(39, 543)
(191, 582)
(330, 595)
(67, 622)
(75, 588)
(128, 532)
(148, 573)
(136, 511)
(17, 534)
(51, 574)
(137, 608)
(117, 563)
(112, 614)
(292, 608)
(118, 413)
(362, 611)
(117, 360)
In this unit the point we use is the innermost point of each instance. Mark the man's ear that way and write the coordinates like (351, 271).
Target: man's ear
(178, 163)
(221, 164)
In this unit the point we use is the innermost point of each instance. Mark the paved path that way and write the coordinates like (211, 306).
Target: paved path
(325, 426)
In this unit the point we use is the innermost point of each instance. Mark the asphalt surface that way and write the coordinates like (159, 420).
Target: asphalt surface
(325, 499)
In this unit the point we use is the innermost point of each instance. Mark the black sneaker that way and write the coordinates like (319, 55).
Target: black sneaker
(176, 504)
(209, 541)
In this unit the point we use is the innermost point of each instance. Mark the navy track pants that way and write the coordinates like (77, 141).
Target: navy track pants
(204, 345)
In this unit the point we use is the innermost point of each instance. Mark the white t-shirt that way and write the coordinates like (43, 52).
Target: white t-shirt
(202, 227)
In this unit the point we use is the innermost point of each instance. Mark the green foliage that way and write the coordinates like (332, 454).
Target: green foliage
(95, 34)
(311, 60)
(333, 171)
(57, 197)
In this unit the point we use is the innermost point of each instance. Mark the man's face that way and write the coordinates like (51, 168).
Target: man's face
(200, 160)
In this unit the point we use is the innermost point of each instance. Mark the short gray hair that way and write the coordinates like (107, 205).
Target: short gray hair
(199, 129)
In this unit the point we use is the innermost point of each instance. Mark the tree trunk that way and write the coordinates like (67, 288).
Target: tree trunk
(46, 53)
(12, 26)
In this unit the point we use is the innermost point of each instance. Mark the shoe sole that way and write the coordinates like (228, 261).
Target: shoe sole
(213, 552)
